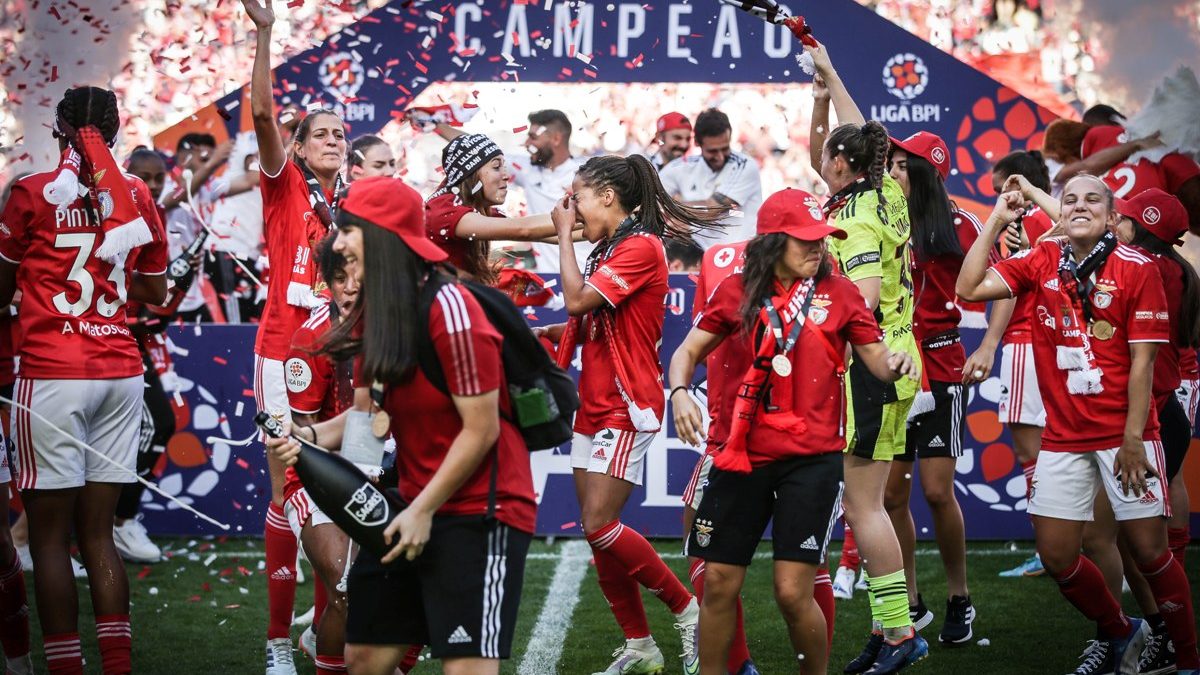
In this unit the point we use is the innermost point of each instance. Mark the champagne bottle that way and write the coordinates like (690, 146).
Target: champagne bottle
(343, 492)
(181, 271)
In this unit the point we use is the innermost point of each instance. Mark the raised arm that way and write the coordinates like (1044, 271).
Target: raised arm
(1030, 192)
(1099, 163)
(491, 228)
(578, 296)
(976, 281)
(819, 127)
(271, 153)
(843, 104)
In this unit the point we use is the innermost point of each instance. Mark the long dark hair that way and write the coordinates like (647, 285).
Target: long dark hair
(387, 304)
(865, 148)
(640, 191)
(930, 212)
(758, 275)
(1188, 329)
(1029, 164)
(478, 251)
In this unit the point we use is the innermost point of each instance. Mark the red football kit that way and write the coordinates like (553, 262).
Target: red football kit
(316, 384)
(291, 228)
(442, 214)
(633, 280)
(1128, 179)
(719, 262)
(425, 422)
(72, 305)
(1036, 223)
(1167, 365)
(840, 313)
(936, 313)
(1128, 295)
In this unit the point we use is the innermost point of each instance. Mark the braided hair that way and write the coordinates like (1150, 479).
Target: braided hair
(865, 148)
(82, 107)
(640, 192)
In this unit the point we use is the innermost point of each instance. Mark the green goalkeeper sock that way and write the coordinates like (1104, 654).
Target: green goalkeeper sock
(889, 600)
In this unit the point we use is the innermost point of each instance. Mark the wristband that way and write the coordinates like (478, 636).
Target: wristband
(314, 433)
(672, 394)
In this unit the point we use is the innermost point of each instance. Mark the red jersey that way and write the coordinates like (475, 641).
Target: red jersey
(1036, 223)
(1168, 365)
(291, 229)
(8, 347)
(719, 262)
(936, 313)
(316, 384)
(1189, 364)
(425, 421)
(442, 214)
(1135, 306)
(633, 280)
(840, 313)
(1128, 179)
(72, 305)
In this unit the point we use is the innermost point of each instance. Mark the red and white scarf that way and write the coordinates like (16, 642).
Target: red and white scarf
(1073, 346)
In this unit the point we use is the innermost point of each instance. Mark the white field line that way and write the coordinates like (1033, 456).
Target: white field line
(546, 643)
(761, 555)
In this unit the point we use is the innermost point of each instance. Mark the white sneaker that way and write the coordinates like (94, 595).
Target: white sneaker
(687, 623)
(843, 584)
(26, 558)
(862, 584)
(134, 544)
(21, 665)
(636, 657)
(308, 643)
(306, 618)
(279, 657)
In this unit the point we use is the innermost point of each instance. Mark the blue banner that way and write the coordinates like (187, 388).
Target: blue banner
(229, 482)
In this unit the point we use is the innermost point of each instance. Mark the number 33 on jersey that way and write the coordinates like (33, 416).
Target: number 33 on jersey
(72, 315)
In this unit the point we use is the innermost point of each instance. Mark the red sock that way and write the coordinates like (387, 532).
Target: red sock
(739, 651)
(281, 548)
(1027, 468)
(63, 654)
(1082, 585)
(641, 562)
(623, 594)
(1177, 540)
(327, 664)
(116, 641)
(410, 659)
(14, 610)
(823, 594)
(1173, 594)
(319, 600)
(850, 557)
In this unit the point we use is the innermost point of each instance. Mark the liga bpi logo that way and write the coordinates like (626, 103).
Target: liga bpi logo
(341, 75)
(905, 76)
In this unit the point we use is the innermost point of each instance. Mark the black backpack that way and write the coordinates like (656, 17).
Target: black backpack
(544, 397)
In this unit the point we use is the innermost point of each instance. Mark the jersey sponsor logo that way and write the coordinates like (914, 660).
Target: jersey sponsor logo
(297, 375)
(459, 636)
(863, 259)
(367, 506)
(810, 544)
(1143, 315)
(611, 274)
(724, 257)
(905, 76)
(1162, 316)
(1046, 318)
(704, 530)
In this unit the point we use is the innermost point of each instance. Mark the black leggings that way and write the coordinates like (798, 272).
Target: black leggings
(1176, 434)
(158, 425)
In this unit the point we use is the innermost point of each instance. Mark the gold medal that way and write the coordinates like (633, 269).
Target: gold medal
(782, 365)
(1102, 330)
(381, 424)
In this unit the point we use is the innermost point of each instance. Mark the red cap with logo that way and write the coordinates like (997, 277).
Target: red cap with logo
(672, 121)
(1101, 138)
(1161, 213)
(929, 147)
(795, 213)
(397, 208)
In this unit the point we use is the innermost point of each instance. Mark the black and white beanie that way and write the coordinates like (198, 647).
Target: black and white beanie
(462, 157)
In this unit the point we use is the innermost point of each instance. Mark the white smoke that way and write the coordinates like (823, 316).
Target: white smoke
(48, 47)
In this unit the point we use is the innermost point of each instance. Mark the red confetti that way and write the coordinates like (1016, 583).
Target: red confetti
(567, 526)
(220, 360)
(242, 463)
(517, 130)
(145, 572)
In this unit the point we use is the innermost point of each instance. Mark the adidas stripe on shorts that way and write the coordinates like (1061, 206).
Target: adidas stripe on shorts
(1065, 483)
(694, 492)
(617, 453)
(460, 596)
(1020, 400)
(938, 432)
(105, 414)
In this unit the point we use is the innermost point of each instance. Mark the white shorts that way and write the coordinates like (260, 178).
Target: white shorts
(1020, 400)
(105, 414)
(1065, 484)
(270, 388)
(1188, 394)
(300, 508)
(620, 454)
(694, 491)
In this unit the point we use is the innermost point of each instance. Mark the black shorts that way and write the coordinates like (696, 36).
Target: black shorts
(938, 432)
(802, 494)
(460, 596)
(873, 424)
(1176, 434)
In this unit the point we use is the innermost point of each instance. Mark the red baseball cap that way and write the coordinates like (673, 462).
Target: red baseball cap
(929, 147)
(795, 213)
(672, 121)
(1161, 213)
(396, 207)
(1101, 138)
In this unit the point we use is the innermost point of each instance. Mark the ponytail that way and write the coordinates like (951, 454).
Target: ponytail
(865, 149)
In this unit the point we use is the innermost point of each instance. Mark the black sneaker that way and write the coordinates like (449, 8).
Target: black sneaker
(960, 613)
(1098, 659)
(866, 659)
(1158, 656)
(919, 614)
